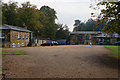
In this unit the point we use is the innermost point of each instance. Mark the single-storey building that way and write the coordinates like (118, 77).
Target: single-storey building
(14, 36)
(94, 37)
(37, 41)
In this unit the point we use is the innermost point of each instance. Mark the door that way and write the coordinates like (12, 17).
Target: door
(108, 41)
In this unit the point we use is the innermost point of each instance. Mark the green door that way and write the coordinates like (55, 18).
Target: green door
(108, 41)
(81, 42)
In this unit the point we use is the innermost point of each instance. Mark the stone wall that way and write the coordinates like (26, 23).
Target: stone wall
(113, 40)
(6, 38)
(23, 41)
(74, 39)
(15, 41)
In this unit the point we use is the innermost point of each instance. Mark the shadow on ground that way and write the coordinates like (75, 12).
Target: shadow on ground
(102, 61)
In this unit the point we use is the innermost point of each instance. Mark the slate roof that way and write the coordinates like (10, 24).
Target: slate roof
(108, 35)
(100, 34)
(85, 32)
(5, 26)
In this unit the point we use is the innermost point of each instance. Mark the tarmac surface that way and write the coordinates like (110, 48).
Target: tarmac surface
(60, 62)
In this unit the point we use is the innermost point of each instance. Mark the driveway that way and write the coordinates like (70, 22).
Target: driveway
(61, 62)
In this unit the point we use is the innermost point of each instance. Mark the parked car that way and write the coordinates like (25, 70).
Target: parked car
(101, 43)
(55, 43)
(117, 43)
(61, 42)
(48, 43)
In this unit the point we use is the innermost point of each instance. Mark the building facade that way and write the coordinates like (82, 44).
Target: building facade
(106, 39)
(13, 36)
(94, 37)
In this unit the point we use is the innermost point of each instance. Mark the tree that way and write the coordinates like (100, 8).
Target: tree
(49, 26)
(110, 15)
(9, 13)
(29, 16)
(62, 32)
(0, 12)
(80, 27)
(90, 25)
(40, 21)
(49, 12)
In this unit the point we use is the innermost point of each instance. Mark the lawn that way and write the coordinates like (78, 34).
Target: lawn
(114, 51)
(17, 52)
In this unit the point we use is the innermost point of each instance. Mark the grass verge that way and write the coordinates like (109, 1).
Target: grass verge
(17, 52)
(114, 51)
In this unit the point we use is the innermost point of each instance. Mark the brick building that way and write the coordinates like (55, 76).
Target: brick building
(13, 36)
(94, 37)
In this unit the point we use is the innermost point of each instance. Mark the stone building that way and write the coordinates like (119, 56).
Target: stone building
(13, 36)
(106, 39)
(94, 37)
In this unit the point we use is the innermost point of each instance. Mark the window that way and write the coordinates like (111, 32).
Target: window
(26, 35)
(81, 42)
(18, 35)
(99, 40)
(23, 44)
(87, 37)
(0, 33)
(87, 43)
(36, 41)
(23, 35)
(103, 40)
(80, 37)
(13, 45)
(18, 45)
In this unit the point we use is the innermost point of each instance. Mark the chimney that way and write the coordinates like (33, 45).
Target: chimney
(24, 25)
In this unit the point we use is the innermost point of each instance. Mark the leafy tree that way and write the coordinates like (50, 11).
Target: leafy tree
(40, 21)
(9, 14)
(49, 12)
(80, 27)
(0, 12)
(49, 25)
(110, 15)
(29, 17)
(62, 32)
(90, 25)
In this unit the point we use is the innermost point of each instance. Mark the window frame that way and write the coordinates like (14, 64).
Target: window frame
(26, 35)
(23, 44)
(18, 35)
(87, 37)
(13, 45)
(17, 44)
(23, 35)
(0, 33)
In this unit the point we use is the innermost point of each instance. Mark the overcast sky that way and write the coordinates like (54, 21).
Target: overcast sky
(67, 10)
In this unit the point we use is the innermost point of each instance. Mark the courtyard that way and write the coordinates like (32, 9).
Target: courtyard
(72, 61)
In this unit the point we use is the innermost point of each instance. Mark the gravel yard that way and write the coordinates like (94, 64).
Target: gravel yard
(61, 62)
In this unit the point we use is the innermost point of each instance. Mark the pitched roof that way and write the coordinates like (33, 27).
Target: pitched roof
(5, 26)
(85, 32)
(108, 35)
(100, 34)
